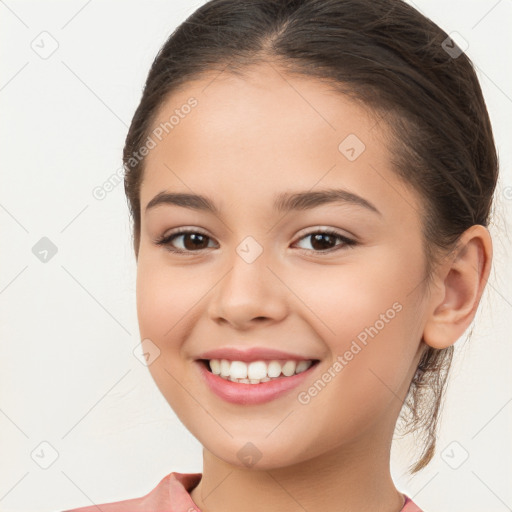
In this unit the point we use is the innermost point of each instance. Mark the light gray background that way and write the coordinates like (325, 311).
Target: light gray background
(68, 375)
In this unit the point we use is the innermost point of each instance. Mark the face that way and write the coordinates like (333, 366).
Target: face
(332, 279)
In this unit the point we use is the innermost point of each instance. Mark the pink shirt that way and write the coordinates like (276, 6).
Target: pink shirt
(172, 494)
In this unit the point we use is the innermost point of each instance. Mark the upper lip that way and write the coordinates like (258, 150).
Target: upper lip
(251, 354)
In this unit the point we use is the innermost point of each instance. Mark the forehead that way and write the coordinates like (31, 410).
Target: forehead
(263, 132)
(265, 107)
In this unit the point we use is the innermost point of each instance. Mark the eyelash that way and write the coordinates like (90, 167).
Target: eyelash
(166, 240)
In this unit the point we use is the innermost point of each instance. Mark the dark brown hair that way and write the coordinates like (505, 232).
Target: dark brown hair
(403, 68)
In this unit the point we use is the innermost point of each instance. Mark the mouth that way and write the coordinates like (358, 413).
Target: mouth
(256, 372)
(254, 382)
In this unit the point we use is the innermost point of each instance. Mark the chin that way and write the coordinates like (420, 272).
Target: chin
(258, 454)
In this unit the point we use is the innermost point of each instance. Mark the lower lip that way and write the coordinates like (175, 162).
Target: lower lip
(249, 394)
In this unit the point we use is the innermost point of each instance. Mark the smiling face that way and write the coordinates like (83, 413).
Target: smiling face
(256, 272)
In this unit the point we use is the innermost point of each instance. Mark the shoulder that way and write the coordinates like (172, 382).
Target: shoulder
(410, 506)
(172, 491)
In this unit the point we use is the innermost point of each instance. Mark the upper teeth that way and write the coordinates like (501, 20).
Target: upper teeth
(256, 371)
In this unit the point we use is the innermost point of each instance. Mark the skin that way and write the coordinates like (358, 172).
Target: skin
(248, 139)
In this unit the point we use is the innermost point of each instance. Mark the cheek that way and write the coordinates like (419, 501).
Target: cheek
(347, 299)
(368, 316)
(165, 300)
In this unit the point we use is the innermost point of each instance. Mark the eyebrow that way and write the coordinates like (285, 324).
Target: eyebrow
(284, 202)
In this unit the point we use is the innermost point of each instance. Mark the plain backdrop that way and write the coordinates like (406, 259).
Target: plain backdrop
(81, 420)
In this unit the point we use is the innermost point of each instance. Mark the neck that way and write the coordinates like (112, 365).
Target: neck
(342, 480)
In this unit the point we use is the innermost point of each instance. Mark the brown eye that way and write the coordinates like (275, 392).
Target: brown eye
(190, 241)
(322, 241)
(193, 241)
(325, 241)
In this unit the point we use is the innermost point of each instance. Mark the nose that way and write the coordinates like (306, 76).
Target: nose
(249, 294)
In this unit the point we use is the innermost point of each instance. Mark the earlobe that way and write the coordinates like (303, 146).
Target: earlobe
(462, 280)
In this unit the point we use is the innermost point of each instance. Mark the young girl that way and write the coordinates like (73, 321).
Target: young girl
(310, 183)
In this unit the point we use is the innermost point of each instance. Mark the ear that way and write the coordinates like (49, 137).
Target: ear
(459, 283)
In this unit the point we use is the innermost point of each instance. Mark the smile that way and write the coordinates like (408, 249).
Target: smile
(253, 382)
(256, 372)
